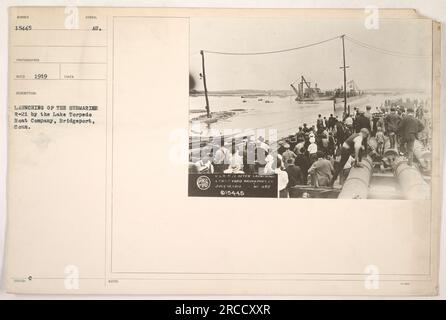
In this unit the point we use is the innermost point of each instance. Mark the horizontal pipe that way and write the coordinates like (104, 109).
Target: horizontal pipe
(423, 156)
(356, 186)
(411, 181)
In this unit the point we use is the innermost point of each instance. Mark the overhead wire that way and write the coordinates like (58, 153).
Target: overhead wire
(352, 40)
(385, 51)
(271, 52)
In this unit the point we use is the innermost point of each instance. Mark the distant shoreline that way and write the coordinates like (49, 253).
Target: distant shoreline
(285, 93)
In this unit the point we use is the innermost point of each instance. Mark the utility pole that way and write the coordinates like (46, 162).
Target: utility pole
(345, 75)
(204, 84)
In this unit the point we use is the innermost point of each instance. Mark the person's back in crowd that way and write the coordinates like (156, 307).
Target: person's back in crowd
(331, 122)
(392, 121)
(408, 129)
(361, 122)
(323, 143)
(331, 144)
(340, 133)
(295, 176)
(321, 171)
(319, 122)
(303, 163)
(222, 158)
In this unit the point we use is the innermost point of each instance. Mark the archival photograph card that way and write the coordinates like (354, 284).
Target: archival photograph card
(223, 151)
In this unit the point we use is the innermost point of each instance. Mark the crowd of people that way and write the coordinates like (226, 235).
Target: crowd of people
(317, 155)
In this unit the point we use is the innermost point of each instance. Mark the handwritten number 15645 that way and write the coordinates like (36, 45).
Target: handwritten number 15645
(23, 28)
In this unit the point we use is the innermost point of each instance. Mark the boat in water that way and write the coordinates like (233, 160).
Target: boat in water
(305, 93)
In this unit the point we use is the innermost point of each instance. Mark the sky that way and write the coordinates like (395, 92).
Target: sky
(321, 64)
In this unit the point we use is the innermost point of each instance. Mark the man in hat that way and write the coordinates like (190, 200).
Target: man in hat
(362, 121)
(352, 146)
(408, 129)
(391, 122)
(288, 154)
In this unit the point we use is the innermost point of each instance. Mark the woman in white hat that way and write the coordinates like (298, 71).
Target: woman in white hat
(312, 150)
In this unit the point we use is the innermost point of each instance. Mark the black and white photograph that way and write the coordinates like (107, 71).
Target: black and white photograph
(296, 108)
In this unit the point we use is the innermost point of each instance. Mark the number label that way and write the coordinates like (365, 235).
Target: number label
(41, 76)
(23, 28)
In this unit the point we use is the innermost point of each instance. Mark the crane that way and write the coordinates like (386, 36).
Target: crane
(308, 84)
(300, 92)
